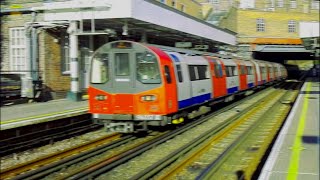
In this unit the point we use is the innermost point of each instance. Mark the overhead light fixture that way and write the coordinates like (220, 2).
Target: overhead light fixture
(125, 29)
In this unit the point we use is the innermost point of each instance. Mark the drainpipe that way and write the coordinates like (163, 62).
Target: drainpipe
(35, 57)
(27, 88)
(75, 93)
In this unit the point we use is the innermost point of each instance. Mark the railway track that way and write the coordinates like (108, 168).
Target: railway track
(143, 158)
(27, 137)
(236, 152)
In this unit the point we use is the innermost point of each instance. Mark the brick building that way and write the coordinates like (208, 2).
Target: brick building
(191, 7)
(17, 50)
(260, 24)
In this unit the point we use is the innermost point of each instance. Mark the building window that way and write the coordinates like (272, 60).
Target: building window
(173, 3)
(292, 26)
(280, 3)
(247, 4)
(315, 4)
(260, 25)
(18, 58)
(293, 4)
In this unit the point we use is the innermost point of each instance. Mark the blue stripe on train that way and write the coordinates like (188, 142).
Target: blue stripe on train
(233, 90)
(250, 85)
(194, 100)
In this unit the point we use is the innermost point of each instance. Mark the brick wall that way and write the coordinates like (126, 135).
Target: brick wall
(52, 64)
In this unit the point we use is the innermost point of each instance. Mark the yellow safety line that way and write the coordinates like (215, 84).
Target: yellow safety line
(42, 115)
(296, 149)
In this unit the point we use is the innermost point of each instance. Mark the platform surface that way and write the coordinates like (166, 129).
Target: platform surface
(32, 113)
(295, 155)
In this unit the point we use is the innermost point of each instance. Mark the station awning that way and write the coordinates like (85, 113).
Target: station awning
(141, 16)
(278, 41)
(281, 48)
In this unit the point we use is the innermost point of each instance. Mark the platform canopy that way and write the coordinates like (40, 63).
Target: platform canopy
(137, 18)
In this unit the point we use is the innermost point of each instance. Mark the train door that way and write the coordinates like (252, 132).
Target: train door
(218, 77)
(183, 80)
(242, 76)
(263, 70)
(122, 78)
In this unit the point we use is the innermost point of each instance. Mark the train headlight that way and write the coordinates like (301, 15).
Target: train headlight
(148, 98)
(100, 97)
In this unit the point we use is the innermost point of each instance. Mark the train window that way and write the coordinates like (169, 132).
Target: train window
(203, 72)
(198, 72)
(235, 71)
(178, 66)
(231, 71)
(228, 71)
(147, 68)
(167, 74)
(99, 68)
(122, 66)
(249, 70)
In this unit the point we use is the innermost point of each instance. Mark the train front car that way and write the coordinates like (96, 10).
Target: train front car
(132, 86)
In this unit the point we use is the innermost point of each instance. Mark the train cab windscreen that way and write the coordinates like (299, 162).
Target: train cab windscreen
(147, 68)
(99, 69)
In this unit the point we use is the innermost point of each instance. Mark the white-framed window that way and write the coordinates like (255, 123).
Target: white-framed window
(247, 4)
(315, 4)
(17, 52)
(291, 26)
(214, 1)
(260, 25)
(183, 8)
(293, 4)
(280, 3)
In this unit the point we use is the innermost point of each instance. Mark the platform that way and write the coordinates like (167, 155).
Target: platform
(295, 155)
(33, 113)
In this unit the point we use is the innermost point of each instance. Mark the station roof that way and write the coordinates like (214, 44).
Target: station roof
(140, 16)
(289, 45)
(278, 41)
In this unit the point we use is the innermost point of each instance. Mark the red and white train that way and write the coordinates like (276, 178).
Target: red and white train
(136, 85)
